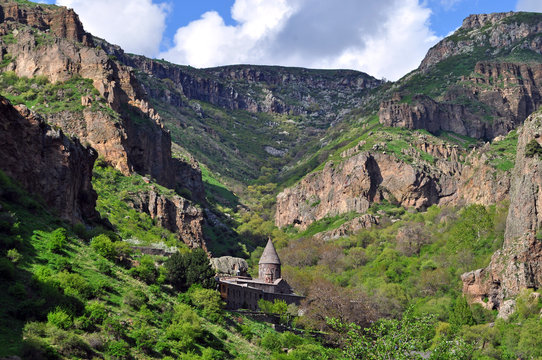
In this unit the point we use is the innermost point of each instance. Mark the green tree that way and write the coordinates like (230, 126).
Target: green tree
(184, 270)
(460, 313)
(388, 338)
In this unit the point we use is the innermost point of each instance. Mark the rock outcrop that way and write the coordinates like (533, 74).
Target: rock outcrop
(507, 92)
(487, 93)
(354, 185)
(47, 163)
(367, 177)
(271, 89)
(62, 22)
(53, 43)
(229, 265)
(173, 213)
(518, 265)
(496, 30)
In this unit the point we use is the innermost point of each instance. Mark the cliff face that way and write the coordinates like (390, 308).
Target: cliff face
(47, 163)
(482, 81)
(62, 22)
(506, 29)
(135, 141)
(367, 177)
(175, 214)
(493, 100)
(518, 265)
(270, 89)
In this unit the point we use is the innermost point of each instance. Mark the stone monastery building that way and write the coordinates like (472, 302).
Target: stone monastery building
(243, 292)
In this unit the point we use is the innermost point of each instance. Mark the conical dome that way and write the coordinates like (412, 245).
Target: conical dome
(269, 255)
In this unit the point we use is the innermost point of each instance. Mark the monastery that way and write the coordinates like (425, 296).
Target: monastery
(243, 292)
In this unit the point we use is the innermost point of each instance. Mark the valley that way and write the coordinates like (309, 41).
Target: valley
(406, 213)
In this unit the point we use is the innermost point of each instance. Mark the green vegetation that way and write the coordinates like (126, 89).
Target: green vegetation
(40, 95)
(502, 154)
(68, 298)
(115, 191)
(533, 148)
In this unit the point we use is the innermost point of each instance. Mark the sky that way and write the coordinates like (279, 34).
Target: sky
(384, 38)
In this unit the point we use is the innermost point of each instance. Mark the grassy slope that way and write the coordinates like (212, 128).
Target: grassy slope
(98, 296)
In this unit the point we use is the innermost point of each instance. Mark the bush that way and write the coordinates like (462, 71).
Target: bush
(533, 148)
(96, 312)
(57, 240)
(118, 350)
(75, 285)
(184, 270)
(135, 298)
(209, 301)
(146, 271)
(103, 245)
(60, 318)
(14, 256)
(271, 341)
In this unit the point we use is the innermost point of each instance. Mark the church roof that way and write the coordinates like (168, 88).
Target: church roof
(269, 255)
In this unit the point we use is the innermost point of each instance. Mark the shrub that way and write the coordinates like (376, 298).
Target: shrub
(103, 245)
(135, 298)
(184, 270)
(60, 318)
(271, 341)
(57, 240)
(118, 350)
(146, 271)
(209, 301)
(533, 148)
(96, 312)
(14, 256)
(75, 285)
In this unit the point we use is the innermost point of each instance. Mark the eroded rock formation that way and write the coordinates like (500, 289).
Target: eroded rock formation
(54, 44)
(173, 213)
(518, 265)
(367, 177)
(47, 163)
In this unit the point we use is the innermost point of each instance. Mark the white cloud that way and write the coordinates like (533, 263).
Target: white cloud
(387, 38)
(529, 5)
(136, 25)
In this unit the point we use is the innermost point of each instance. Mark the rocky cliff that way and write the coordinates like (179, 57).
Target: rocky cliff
(47, 163)
(50, 41)
(454, 177)
(271, 89)
(498, 30)
(518, 265)
(493, 100)
(175, 214)
(482, 81)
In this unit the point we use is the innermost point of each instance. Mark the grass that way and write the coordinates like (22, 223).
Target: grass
(42, 96)
(502, 154)
(115, 191)
(103, 305)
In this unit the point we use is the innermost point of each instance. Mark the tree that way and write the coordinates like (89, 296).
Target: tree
(407, 338)
(460, 313)
(193, 267)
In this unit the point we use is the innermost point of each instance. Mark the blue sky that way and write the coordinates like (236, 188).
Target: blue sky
(385, 38)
